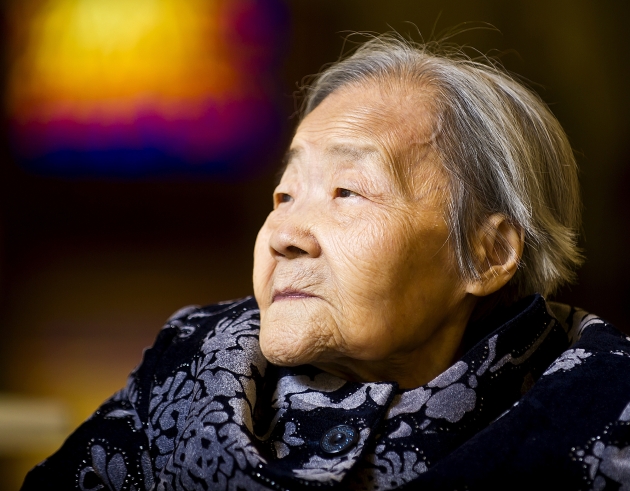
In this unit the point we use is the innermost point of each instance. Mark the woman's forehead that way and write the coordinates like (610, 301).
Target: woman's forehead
(367, 126)
(371, 109)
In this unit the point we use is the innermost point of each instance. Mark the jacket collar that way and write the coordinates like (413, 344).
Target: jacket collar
(510, 351)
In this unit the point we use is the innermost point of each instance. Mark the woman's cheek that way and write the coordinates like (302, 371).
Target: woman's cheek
(263, 268)
(371, 247)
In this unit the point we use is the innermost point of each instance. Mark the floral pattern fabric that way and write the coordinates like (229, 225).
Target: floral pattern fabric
(539, 399)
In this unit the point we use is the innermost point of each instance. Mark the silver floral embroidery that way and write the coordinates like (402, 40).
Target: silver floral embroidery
(610, 461)
(126, 413)
(408, 402)
(568, 360)
(453, 374)
(210, 441)
(403, 430)
(112, 473)
(389, 470)
(312, 400)
(451, 403)
(492, 346)
(282, 449)
(625, 414)
(289, 430)
(616, 465)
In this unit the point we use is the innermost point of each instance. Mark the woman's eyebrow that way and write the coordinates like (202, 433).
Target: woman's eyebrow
(345, 151)
(353, 152)
(289, 156)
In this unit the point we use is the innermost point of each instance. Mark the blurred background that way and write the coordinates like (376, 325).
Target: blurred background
(139, 145)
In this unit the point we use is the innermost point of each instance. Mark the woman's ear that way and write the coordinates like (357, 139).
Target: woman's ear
(499, 248)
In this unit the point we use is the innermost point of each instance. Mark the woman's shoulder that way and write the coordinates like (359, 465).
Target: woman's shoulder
(191, 325)
(577, 414)
(193, 331)
(584, 327)
(195, 346)
(196, 314)
(593, 366)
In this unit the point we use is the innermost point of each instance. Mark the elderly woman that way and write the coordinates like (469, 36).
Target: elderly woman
(399, 335)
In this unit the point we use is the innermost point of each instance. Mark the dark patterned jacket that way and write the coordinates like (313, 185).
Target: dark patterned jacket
(540, 400)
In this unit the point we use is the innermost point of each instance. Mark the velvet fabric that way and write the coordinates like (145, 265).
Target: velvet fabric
(539, 400)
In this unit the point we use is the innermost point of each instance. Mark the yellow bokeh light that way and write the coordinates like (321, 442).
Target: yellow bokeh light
(94, 21)
(78, 57)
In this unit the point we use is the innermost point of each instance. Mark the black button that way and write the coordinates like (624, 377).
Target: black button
(339, 439)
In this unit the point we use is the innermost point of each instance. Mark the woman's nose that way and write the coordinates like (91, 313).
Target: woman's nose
(294, 238)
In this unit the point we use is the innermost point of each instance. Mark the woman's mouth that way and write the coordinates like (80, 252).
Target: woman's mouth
(290, 294)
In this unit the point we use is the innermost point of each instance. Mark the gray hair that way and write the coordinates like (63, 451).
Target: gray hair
(502, 149)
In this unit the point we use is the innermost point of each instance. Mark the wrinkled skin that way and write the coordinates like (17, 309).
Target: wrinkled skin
(353, 270)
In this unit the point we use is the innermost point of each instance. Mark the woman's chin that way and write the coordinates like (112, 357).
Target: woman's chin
(283, 356)
(283, 348)
(293, 334)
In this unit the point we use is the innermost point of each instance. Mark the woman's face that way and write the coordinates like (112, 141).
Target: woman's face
(353, 270)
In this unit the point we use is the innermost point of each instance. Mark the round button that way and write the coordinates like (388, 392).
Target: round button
(339, 439)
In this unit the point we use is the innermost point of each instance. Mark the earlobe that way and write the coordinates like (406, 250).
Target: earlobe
(499, 249)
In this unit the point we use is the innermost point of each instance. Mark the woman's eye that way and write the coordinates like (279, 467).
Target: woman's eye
(283, 198)
(345, 193)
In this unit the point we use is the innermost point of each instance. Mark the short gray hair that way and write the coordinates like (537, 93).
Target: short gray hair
(502, 148)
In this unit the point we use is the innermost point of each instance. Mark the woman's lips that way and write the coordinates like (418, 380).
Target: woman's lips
(291, 295)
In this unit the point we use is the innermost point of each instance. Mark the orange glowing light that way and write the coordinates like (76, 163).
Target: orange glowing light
(106, 64)
(105, 56)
